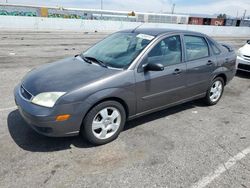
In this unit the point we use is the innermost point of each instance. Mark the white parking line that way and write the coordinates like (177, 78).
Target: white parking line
(221, 169)
(6, 109)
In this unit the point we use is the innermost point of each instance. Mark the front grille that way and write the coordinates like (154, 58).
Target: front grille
(25, 93)
(244, 67)
(247, 56)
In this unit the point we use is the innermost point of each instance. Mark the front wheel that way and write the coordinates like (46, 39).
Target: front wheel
(215, 91)
(104, 122)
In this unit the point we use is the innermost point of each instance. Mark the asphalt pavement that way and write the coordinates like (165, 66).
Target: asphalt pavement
(190, 145)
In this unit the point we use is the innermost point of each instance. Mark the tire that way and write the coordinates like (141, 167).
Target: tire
(210, 99)
(104, 122)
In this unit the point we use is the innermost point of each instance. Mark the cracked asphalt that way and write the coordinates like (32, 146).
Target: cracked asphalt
(171, 148)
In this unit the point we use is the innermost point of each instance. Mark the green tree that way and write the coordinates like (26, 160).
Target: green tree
(222, 16)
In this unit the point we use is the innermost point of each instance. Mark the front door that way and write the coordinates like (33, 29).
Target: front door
(156, 89)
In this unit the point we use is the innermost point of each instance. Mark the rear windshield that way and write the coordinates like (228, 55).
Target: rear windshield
(228, 48)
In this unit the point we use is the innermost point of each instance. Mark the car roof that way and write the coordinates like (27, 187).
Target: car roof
(159, 31)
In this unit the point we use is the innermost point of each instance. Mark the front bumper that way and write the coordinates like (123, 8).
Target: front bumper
(243, 64)
(43, 120)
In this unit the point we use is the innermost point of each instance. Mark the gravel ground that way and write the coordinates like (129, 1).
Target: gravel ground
(177, 147)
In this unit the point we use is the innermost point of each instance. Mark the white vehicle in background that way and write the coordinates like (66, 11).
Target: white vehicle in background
(243, 57)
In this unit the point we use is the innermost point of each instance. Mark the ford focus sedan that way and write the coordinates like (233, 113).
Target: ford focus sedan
(128, 74)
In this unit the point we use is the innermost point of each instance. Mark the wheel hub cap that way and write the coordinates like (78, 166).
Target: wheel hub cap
(215, 91)
(106, 122)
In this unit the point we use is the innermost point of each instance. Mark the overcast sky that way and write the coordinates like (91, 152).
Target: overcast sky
(230, 7)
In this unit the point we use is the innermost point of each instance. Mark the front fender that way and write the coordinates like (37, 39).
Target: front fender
(127, 95)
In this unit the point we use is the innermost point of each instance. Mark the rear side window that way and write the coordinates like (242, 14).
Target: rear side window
(215, 49)
(196, 47)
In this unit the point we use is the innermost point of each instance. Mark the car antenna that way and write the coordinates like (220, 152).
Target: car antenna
(137, 27)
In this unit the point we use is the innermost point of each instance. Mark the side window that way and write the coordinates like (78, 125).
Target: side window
(167, 51)
(196, 47)
(215, 49)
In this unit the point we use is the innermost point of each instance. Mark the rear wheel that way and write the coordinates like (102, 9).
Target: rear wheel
(104, 122)
(215, 91)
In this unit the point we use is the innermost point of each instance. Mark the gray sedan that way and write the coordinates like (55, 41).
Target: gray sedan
(128, 74)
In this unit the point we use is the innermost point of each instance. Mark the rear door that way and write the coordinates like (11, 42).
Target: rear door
(200, 64)
(156, 89)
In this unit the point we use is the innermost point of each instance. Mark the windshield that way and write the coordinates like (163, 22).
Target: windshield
(120, 49)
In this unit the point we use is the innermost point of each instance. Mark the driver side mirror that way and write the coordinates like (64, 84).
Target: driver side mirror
(153, 67)
(146, 66)
(248, 41)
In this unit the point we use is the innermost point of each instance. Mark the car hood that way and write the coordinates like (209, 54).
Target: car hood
(245, 50)
(64, 76)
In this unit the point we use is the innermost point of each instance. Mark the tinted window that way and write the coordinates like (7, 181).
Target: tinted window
(215, 49)
(166, 52)
(196, 47)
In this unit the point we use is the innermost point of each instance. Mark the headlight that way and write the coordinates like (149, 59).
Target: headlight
(47, 99)
(239, 53)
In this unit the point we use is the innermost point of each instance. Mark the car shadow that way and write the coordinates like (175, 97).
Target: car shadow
(163, 113)
(27, 139)
(243, 74)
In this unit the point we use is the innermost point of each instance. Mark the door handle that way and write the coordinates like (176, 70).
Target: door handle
(209, 62)
(177, 71)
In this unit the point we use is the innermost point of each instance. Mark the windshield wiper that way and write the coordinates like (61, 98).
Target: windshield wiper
(92, 59)
(84, 58)
(99, 62)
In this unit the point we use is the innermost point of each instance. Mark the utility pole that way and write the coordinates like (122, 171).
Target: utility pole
(6, 1)
(244, 15)
(101, 7)
(173, 7)
(101, 4)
